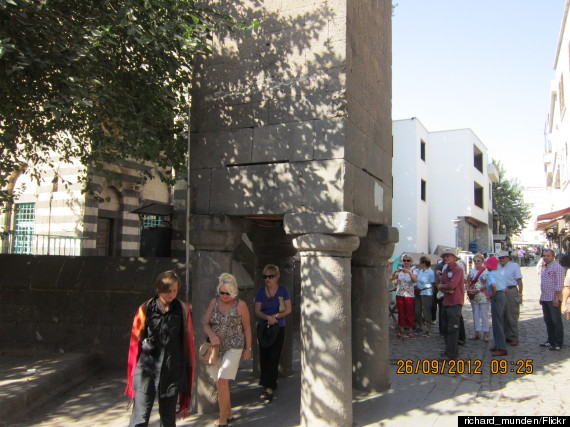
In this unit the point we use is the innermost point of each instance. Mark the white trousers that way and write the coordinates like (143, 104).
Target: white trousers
(481, 317)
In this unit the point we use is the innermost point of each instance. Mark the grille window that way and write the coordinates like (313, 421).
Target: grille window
(24, 218)
(151, 221)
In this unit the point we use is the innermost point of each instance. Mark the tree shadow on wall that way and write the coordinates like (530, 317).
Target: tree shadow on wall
(270, 121)
(270, 118)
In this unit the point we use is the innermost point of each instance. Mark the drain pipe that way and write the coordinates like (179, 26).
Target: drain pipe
(188, 213)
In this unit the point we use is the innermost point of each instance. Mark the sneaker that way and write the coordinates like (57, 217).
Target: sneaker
(546, 344)
(555, 348)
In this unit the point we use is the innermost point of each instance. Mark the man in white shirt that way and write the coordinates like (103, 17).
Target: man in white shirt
(511, 271)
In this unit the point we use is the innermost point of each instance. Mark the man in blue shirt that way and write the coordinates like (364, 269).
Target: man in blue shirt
(511, 272)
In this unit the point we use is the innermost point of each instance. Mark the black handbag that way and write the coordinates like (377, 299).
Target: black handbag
(267, 334)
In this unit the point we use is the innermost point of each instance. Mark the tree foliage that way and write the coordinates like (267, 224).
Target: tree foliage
(94, 81)
(509, 207)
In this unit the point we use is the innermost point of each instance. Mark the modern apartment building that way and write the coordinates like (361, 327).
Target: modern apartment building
(442, 189)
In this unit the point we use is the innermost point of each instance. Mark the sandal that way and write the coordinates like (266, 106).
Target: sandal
(411, 335)
(266, 396)
(217, 423)
(474, 337)
(398, 335)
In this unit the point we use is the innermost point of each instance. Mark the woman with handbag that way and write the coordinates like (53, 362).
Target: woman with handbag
(161, 355)
(227, 324)
(479, 297)
(272, 304)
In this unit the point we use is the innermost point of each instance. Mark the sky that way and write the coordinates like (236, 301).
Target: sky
(486, 65)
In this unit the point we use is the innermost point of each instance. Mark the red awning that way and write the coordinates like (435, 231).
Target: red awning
(546, 220)
(553, 215)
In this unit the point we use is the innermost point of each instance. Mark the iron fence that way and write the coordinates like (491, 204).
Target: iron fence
(23, 242)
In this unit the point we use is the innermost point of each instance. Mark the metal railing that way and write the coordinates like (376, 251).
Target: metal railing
(22, 242)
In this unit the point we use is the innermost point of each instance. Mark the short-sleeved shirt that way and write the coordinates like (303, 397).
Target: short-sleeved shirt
(511, 272)
(270, 306)
(425, 280)
(494, 277)
(551, 281)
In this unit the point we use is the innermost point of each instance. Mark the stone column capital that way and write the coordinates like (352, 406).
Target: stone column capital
(338, 223)
(216, 232)
(377, 246)
(319, 244)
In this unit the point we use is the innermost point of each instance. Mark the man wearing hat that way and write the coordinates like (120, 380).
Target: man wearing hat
(511, 272)
(451, 281)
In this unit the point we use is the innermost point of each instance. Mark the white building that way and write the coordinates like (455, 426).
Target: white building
(442, 189)
(541, 200)
(556, 222)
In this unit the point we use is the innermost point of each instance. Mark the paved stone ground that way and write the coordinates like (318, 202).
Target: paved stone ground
(417, 398)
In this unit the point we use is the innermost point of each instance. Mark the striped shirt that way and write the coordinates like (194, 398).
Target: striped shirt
(551, 281)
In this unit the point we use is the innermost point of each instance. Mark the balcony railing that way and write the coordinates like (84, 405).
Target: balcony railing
(16, 242)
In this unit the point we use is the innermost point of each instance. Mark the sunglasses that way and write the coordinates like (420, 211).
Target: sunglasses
(224, 293)
(407, 260)
(268, 276)
(477, 260)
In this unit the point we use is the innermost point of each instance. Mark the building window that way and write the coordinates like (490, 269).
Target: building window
(151, 221)
(478, 191)
(477, 159)
(24, 218)
(423, 193)
(423, 150)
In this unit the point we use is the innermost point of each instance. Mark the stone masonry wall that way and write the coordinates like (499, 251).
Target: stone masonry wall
(296, 116)
(76, 303)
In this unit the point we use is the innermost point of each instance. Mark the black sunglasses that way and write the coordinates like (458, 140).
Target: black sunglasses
(224, 293)
(268, 276)
(407, 260)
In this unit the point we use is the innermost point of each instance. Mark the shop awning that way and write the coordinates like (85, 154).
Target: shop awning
(546, 220)
(159, 209)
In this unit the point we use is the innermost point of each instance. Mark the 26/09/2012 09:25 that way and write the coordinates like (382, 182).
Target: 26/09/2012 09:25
(460, 366)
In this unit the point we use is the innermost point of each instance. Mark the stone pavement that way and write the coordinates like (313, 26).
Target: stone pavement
(424, 399)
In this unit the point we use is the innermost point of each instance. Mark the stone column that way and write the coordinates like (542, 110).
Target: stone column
(326, 242)
(272, 246)
(370, 307)
(214, 238)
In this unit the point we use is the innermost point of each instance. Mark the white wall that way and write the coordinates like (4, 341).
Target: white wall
(409, 212)
(450, 175)
(559, 123)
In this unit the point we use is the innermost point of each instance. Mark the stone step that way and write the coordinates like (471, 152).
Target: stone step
(27, 382)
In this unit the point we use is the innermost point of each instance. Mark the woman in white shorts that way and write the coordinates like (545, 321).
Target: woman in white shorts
(227, 324)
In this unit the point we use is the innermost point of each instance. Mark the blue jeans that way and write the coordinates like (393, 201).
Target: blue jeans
(554, 326)
(498, 304)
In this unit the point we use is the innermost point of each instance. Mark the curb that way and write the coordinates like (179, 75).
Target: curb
(38, 391)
